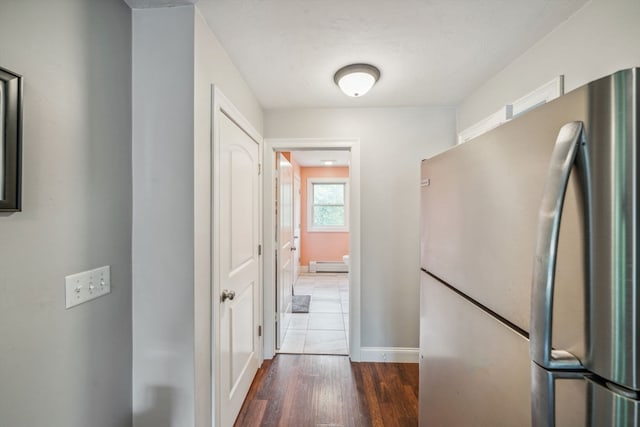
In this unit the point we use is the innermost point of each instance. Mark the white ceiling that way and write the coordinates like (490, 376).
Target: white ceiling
(316, 158)
(430, 52)
(145, 4)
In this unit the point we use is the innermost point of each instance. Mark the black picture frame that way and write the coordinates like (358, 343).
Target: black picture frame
(10, 141)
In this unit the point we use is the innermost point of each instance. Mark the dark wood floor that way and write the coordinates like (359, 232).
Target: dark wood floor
(310, 390)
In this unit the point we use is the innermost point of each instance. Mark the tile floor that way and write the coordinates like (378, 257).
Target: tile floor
(325, 329)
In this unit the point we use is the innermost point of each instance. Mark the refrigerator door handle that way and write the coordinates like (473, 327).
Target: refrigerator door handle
(543, 390)
(569, 140)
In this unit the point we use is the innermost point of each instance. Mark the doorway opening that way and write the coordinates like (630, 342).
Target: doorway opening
(312, 281)
(312, 260)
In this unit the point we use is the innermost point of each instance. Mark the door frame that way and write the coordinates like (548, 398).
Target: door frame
(220, 105)
(280, 276)
(271, 146)
(297, 209)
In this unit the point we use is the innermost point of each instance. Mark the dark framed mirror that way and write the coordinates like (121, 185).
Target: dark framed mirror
(10, 140)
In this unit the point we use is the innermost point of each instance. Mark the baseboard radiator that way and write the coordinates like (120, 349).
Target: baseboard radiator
(328, 267)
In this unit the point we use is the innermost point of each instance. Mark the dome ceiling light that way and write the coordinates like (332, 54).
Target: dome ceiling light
(356, 79)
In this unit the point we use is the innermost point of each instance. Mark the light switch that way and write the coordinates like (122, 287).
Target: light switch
(88, 285)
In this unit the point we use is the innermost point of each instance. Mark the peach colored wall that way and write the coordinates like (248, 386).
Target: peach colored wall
(294, 164)
(322, 246)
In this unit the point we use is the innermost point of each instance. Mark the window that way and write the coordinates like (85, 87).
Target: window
(327, 208)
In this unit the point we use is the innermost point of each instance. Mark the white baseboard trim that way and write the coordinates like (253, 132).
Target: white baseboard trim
(389, 354)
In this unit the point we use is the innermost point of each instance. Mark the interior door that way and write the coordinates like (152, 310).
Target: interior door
(239, 267)
(285, 245)
(296, 227)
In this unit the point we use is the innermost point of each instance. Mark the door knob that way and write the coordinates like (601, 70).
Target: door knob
(293, 248)
(228, 295)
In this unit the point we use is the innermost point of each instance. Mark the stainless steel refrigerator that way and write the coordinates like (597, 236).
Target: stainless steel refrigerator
(530, 247)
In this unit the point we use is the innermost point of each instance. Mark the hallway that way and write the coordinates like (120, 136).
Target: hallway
(318, 390)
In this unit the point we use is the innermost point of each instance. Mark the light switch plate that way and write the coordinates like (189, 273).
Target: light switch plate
(88, 285)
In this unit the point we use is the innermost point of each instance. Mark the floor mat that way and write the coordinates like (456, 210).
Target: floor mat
(300, 303)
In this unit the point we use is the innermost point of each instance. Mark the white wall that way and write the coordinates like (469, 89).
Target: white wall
(163, 335)
(392, 143)
(213, 66)
(172, 76)
(599, 39)
(68, 368)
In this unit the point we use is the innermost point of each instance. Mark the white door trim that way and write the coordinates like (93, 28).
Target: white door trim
(268, 262)
(285, 240)
(221, 105)
(296, 226)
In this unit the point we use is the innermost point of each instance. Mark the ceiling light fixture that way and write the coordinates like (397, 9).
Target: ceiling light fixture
(328, 162)
(356, 79)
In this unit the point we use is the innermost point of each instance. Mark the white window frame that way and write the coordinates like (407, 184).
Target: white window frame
(332, 229)
(501, 116)
(545, 93)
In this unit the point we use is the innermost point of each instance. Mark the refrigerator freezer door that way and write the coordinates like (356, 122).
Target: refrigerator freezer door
(613, 144)
(480, 215)
(474, 370)
(608, 166)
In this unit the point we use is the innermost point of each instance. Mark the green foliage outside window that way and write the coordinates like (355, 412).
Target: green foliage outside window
(328, 205)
